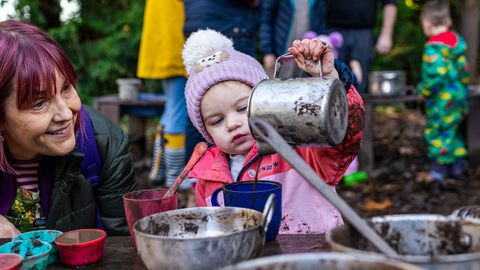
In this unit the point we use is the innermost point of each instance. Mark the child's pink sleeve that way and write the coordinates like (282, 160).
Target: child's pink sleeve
(331, 163)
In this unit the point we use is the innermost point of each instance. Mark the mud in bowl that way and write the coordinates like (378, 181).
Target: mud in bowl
(242, 194)
(35, 253)
(46, 236)
(142, 203)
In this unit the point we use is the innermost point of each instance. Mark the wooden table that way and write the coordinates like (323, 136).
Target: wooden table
(147, 106)
(121, 254)
(366, 153)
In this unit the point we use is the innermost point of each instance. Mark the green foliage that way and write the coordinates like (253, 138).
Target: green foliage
(102, 40)
(102, 43)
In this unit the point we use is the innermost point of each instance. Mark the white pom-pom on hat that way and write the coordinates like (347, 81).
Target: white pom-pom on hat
(201, 43)
(210, 59)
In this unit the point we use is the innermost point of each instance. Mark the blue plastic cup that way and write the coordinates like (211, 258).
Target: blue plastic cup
(35, 253)
(46, 236)
(241, 194)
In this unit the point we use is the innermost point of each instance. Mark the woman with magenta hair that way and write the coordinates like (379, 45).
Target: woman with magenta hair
(47, 136)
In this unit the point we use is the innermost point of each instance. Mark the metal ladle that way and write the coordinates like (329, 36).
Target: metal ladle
(271, 136)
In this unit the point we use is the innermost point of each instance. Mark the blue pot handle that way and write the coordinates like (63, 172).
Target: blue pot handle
(215, 195)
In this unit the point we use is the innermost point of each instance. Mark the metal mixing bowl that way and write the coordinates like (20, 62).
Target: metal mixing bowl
(202, 237)
(428, 241)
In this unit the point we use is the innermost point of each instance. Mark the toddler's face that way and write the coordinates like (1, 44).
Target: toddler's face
(224, 113)
(427, 28)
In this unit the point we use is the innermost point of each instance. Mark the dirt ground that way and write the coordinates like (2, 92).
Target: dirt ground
(398, 184)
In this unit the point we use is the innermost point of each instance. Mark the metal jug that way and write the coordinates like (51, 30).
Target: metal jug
(306, 112)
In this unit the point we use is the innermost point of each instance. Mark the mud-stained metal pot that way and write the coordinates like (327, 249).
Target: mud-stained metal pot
(428, 241)
(331, 261)
(202, 237)
(306, 112)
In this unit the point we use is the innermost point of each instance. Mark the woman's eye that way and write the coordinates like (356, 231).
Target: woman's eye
(39, 104)
(66, 88)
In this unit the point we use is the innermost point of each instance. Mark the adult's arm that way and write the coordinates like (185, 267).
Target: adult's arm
(7, 229)
(384, 42)
(117, 176)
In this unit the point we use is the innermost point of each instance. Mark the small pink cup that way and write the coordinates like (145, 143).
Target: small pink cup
(142, 203)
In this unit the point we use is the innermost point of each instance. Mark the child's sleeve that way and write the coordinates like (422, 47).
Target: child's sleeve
(331, 163)
(434, 70)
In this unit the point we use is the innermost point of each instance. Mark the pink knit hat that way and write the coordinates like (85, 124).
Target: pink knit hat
(209, 59)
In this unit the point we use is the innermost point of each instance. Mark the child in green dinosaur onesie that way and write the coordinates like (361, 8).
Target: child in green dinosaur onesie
(444, 89)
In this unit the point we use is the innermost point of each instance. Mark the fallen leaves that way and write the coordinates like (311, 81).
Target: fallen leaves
(371, 205)
(404, 151)
(423, 177)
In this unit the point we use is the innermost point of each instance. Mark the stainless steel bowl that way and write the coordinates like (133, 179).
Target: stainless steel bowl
(331, 261)
(387, 83)
(428, 241)
(202, 237)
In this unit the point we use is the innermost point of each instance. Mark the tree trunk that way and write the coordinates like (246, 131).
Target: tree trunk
(469, 29)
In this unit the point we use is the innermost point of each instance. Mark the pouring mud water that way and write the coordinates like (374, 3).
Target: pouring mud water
(305, 112)
(280, 123)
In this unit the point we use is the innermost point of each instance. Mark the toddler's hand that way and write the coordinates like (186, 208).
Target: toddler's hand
(7, 229)
(307, 52)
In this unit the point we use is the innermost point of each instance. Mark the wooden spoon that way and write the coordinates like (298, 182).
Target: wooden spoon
(198, 152)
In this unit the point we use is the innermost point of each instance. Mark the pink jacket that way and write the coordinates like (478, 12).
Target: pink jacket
(304, 209)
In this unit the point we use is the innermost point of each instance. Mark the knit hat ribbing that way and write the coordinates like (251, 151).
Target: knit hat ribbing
(219, 63)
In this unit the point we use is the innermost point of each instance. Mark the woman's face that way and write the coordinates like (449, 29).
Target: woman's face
(45, 128)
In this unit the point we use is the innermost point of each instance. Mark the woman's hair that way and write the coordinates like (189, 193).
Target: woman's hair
(436, 12)
(28, 61)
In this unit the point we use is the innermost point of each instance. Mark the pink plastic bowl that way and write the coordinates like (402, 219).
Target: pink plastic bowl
(10, 261)
(81, 247)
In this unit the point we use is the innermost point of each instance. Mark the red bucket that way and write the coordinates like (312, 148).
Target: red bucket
(142, 203)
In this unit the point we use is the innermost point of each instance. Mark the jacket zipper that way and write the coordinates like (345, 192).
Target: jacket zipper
(246, 165)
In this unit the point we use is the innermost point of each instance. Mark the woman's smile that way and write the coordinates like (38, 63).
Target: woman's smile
(61, 133)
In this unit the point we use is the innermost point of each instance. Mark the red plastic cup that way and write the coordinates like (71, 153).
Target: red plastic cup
(10, 261)
(142, 203)
(81, 247)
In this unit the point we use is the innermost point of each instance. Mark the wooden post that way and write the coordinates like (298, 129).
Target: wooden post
(469, 29)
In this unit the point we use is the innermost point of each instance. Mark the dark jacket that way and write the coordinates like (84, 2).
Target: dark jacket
(68, 199)
(236, 19)
(277, 20)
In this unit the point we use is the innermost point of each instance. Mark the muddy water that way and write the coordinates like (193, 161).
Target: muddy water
(256, 174)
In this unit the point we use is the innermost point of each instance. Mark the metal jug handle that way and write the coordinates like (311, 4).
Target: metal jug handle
(268, 212)
(287, 58)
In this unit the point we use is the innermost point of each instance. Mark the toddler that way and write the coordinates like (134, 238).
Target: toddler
(217, 94)
(444, 87)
